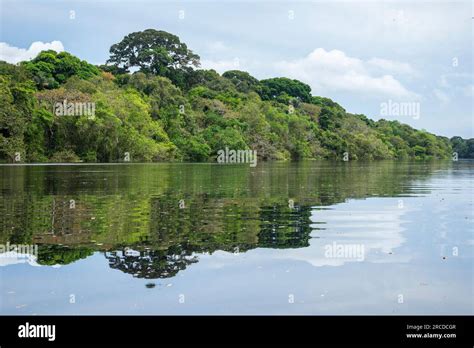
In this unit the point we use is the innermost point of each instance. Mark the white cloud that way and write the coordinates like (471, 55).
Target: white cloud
(392, 66)
(335, 71)
(375, 224)
(12, 54)
(13, 257)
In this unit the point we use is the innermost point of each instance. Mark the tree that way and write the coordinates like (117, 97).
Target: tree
(51, 69)
(463, 147)
(243, 81)
(17, 103)
(282, 89)
(113, 69)
(328, 103)
(154, 51)
(186, 114)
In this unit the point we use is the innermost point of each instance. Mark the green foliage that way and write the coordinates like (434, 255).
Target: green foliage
(406, 141)
(283, 90)
(210, 79)
(156, 52)
(194, 148)
(64, 156)
(17, 103)
(61, 255)
(463, 147)
(51, 69)
(168, 111)
(219, 138)
(242, 80)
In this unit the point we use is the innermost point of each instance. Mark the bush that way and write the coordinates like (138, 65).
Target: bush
(65, 156)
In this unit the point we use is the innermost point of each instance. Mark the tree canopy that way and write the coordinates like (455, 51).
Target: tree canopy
(242, 80)
(170, 111)
(154, 51)
(51, 69)
(282, 89)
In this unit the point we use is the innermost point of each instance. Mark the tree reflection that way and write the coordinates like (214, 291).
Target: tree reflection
(285, 227)
(151, 264)
(227, 208)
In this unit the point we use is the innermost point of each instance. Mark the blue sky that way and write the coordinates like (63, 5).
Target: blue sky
(362, 54)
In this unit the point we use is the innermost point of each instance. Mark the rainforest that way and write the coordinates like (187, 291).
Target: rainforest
(152, 102)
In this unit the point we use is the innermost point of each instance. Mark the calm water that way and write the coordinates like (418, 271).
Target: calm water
(281, 238)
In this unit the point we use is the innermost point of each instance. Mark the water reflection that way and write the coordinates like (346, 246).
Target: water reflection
(151, 264)
(169, 213)
(373, 228)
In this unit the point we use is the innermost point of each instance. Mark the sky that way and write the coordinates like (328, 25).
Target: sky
(364, 55)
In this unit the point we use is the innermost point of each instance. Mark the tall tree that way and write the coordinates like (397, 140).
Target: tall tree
(154, 51)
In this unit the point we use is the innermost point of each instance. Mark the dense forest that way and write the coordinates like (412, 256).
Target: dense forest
(152, 102)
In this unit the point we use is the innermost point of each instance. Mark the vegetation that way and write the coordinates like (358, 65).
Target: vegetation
(155, 52)
(463, 147)
(169, 110)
